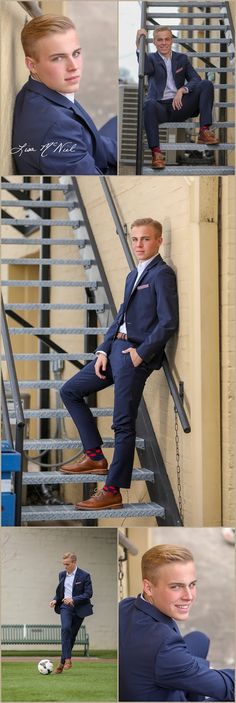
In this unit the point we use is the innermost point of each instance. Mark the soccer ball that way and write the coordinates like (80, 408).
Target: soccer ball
(45, 666)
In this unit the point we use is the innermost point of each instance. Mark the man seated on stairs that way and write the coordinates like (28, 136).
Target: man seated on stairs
(175, 93)
(52, 133)
(156, 662)
(72, 603)
(133, 347)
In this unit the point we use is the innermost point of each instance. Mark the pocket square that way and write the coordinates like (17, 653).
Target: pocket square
(145, 285)
(179, 69)
(77, 583)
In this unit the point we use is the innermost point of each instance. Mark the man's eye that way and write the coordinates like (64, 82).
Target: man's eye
(57, 58)
(77, 53)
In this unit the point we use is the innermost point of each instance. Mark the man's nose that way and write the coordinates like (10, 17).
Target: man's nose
(186, 593)
(71, 63)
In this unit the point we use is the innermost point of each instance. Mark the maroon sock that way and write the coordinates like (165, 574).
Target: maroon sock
(204, 127)
(156, 150)
(111, 489)
(95, 454)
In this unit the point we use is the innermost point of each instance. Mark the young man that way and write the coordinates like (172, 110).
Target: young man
(72, 603)
(133, 347)
(52, 133)
(175, 93)
(156, 662)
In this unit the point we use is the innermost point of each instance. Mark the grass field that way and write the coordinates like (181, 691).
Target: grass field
(86, 681)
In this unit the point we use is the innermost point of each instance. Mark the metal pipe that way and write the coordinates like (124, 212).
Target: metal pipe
(20, 420)
(175, 395)
(31, 7)
(119, 229)
(5, 415)
(127, 544)
(139, 147)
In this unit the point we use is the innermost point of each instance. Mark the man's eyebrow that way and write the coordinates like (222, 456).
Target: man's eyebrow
(179, 583)
(60, 53)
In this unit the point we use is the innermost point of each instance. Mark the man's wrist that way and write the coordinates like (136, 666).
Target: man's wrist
(100, 352)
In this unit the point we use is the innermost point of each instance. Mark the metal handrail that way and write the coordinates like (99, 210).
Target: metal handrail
(20, 420)
(5, 415)
(168, 374)
(31, 7)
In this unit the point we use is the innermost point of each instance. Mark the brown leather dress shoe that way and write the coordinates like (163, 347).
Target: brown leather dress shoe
(206, 136)
(68, 664)
(158, 160)
(59, 669)
(101, 500)
(86, 466)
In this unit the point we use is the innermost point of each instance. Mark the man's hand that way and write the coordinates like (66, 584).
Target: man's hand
(68, 601)
(136, 359)
(140, 33)
(177, 101)
(101, 365)
(52, 603)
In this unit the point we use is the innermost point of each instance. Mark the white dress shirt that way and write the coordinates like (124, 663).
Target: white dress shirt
(68, 584)
(140, 268)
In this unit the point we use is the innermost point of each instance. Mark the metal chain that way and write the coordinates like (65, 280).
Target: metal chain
(179, 487)
(120, 578)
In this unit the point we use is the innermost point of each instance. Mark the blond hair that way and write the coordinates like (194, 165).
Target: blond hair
(160, 555)
(70, 555)
(40, 27)
(148, 221)
(162, 29)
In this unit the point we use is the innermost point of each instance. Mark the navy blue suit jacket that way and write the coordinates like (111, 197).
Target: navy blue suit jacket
(52, 135)
(183, 73)
(155, 663)
(150, 311)
(82, 591)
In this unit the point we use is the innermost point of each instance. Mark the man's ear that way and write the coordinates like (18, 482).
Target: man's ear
(31, 64)
(147, 587)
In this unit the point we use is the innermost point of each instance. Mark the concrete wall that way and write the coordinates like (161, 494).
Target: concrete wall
(31, 561)
(97, 27)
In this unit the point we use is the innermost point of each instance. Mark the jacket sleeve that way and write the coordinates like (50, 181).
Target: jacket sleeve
(167, 315)
(87, 591)
(177, 668)
(111, 332)
(148, 63)
(192, 77)
(60, 155)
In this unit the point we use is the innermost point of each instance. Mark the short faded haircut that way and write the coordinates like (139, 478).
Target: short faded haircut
(148, 221)
(160, 555)
(70, 555)
(40, 27)
(162, 29)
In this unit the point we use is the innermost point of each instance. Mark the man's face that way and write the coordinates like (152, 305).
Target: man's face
(163, 42)
(175, 589)
(69, 565)
(146, 242)
(58, 62)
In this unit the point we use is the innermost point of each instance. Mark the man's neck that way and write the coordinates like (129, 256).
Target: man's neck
(164, 56)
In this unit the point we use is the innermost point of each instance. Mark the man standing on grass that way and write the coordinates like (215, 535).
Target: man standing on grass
(72, 603)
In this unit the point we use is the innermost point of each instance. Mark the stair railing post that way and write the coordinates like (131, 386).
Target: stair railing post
(139, 146)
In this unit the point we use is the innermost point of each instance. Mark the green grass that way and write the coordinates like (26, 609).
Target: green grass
(86, 681)
(102, 653)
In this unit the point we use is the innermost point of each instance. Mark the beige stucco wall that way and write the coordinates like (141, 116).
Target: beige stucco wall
(191, 247)
(98, 91)
(30, 568)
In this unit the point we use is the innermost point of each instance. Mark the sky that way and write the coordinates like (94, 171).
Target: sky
(129, 22)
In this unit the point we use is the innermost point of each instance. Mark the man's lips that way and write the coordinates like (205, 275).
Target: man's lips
(72, 78)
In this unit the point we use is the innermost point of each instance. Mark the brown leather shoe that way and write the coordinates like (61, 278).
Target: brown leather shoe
(158, 160)
(68, 664)
(101, 500)
(206, 136)
(86, 466)
(59, 669)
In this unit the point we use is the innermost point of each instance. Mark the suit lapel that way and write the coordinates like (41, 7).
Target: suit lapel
(131, 289)
(59, 99)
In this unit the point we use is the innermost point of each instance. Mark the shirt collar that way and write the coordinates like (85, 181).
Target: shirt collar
(164, 58)
(73, 572)
(142, 264)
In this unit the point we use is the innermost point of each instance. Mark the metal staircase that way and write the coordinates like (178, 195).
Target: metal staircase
(209, 26)
(98, 308)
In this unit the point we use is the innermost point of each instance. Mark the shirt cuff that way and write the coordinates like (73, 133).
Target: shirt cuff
(100, 352)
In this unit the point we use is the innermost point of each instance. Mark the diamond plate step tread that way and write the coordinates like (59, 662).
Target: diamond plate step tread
(39, 444)
(48, 412)
(99, 307)
(191, 3)
(57, 330)
(189, 125)
(28, 221)
(87, 263)
(80, 356)
(36, 186)
(190, 171)
(69, 205)
(67, 512)
(212, 40)
(198, 27)
(52, 284)
(35, 384)
(189, 146)
(55, 477)
(184, 15)
(38, 242)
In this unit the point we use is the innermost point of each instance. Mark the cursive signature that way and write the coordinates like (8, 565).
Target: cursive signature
(45, 149)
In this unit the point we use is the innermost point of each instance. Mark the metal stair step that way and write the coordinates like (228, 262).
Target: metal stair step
(204, 54)
(87, 263)
(56, 513)
(183, 125)
(190, 146)
(190, 171)
(99, 307)
(36, 186)
(184, 15)
(57, 330)
(67, 204)
(215, 69)
(27, 221)
(198, 27)
(35, 384)
(190, 3)
(39, 444)
(55, 477)
(49, 412)
(38, 242)
(51, 284)
(52, 357)
(212, 40)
